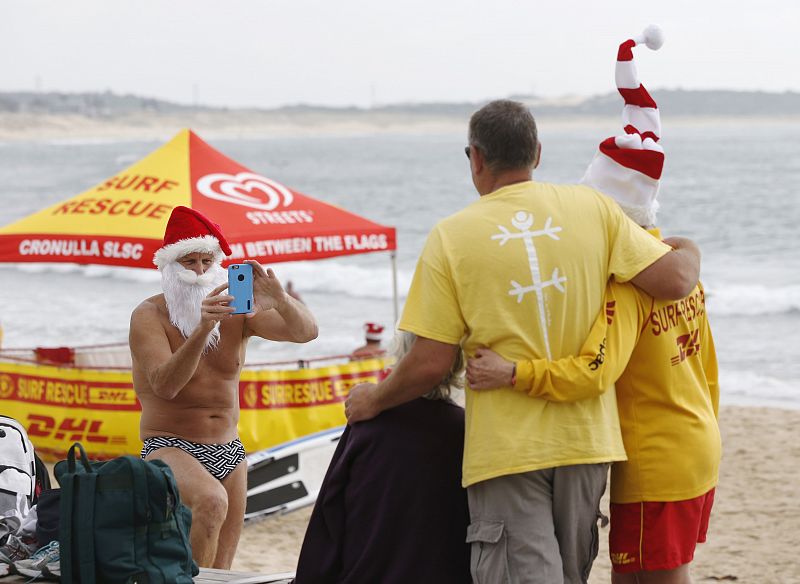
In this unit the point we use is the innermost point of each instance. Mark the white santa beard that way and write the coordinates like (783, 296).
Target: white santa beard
(184, 298)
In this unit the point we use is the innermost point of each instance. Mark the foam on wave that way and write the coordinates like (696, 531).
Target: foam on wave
(328, 277)
(750, 388)
(753, 300)
(359, 281)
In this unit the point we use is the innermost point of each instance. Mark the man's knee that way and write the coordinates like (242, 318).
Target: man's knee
(210, 506)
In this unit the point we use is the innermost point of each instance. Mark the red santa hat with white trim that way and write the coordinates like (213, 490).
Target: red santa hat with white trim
(189, 231)
(628, 167)
(373, 331)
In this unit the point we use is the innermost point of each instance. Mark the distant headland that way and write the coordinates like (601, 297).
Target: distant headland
(107, 115)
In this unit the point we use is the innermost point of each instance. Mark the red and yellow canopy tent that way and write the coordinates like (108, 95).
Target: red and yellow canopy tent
(120, 222)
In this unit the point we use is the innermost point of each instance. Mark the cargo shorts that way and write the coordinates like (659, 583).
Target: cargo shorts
(538, 527)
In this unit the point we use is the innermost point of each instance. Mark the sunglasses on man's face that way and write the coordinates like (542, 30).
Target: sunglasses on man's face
(466, 151)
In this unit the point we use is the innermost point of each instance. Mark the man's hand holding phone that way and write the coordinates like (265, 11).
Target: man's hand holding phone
(215, 307)
(267, 289)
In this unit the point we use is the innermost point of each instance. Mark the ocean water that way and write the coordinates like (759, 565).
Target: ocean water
(731, 187)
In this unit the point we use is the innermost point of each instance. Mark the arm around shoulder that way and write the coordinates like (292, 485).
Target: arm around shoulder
(675, 274)
(418, 372)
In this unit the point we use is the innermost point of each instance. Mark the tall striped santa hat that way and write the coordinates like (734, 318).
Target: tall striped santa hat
(628, 167)
(189, 231)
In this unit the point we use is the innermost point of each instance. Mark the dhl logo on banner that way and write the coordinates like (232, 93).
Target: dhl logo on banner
(59, 406)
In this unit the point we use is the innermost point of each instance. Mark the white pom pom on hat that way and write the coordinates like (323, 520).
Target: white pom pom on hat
(653, 37)
(628, 167)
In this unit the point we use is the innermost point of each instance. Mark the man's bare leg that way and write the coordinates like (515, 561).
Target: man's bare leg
(677, 576)
(236, 486)
(204, 495)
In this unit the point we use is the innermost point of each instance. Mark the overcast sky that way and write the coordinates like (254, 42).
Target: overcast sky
(370, 52)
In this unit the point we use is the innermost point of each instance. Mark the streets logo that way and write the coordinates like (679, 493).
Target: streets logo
(247, 189)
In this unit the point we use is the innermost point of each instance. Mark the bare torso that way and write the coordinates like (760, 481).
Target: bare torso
(207, 408)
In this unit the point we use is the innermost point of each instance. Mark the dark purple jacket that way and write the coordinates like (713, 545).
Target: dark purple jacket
(391, 508)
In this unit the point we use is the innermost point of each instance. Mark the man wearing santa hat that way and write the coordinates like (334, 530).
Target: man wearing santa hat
(661, 355)
(187, 351)
(523, 270)
(372, 342)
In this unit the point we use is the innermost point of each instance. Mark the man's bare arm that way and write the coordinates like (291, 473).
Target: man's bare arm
(675, 274)
(422, 369)
(278, 316)
(167, 372)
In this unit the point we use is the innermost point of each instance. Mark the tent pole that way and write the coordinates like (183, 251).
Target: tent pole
(393, 256)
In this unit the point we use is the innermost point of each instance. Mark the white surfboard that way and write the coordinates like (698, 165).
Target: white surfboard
(289, 476)
(211, 575)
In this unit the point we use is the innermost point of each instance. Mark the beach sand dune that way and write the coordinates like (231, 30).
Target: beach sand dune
(248, 124)
(754, 536)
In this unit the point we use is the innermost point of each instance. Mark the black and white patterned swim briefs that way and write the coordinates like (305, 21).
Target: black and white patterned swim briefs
(218, 459)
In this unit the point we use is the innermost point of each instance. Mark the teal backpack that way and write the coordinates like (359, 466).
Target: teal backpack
(122, 521)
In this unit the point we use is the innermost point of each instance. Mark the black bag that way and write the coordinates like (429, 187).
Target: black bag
(122, 522)
(42, 479)
(47, 514)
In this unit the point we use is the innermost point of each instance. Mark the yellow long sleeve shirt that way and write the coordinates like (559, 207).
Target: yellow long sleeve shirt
(661, 354)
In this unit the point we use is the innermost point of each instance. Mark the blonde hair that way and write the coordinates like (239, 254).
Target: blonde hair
(401, 345)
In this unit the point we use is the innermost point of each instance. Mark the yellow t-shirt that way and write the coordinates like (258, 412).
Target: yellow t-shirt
(662, 353)
(523, 270)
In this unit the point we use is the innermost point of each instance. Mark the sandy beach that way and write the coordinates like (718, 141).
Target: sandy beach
(755, 525)
(236, 124)
(754, 533)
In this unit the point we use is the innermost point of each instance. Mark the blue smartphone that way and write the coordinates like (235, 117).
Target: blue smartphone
(240, 286)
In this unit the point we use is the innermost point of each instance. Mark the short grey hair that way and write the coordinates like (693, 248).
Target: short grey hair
(401, 345)
(504, 131)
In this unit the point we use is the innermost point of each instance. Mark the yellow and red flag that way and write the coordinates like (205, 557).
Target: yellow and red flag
(121, 221)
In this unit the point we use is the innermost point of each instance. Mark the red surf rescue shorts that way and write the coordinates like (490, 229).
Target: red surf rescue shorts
(657, 536)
